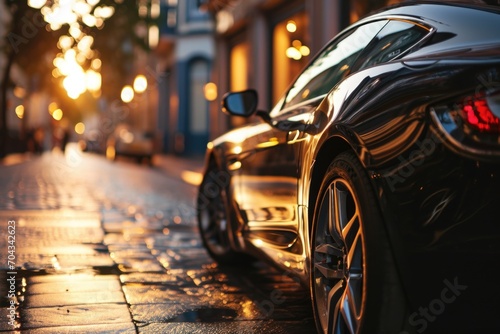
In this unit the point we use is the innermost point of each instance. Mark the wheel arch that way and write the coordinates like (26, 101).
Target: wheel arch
(213, 159)
(328, 151)
(210, 159)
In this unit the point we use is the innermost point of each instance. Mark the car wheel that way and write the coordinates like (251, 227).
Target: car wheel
(213, 218)
(354, 284)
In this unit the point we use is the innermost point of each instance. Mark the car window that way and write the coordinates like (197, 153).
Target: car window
(332, 64)
(393, 40)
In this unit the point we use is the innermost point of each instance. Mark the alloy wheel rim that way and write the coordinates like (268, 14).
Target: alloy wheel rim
(338, 273)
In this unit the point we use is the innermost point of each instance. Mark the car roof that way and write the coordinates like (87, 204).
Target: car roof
(464, 23)
(488, 5)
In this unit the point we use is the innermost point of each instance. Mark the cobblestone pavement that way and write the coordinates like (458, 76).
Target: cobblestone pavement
(91, 246)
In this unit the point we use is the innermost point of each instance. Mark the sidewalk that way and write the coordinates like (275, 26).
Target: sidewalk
(94, 246)
(15, 158)
(188, 169)
(82, 234)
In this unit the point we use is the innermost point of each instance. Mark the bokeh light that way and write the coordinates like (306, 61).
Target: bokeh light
(291, 26)
(76, 47)
(20, 111)
(57, 114)
(127, 94)
(153, 36)
(210, 91)
(80, 128)
(93, 80)
(36, 3)
(52, 107)
(140, 83)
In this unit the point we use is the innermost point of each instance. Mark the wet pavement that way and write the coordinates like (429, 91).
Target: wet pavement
(92, 246)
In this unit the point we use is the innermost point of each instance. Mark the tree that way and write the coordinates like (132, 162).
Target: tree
(34, 40)
(25, 40)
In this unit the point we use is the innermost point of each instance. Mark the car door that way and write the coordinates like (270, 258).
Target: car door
(266, 170)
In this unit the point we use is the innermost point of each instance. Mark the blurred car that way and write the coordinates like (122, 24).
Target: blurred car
(375, 179)
(92, 141)
(131, 143)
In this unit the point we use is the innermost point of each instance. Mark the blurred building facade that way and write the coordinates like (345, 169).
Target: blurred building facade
(264, 44)
(185, 56)
(17, 85)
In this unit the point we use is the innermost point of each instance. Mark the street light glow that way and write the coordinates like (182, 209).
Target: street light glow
(75, 83)
(93, 80)
(70, 55)
(77, 47)
(80, 128)
(104, 12)
(89, 20)
(57, 114)
(52, 107)
(75, 31)
(99, 23)
(291, 26)
(36, 3)
(154, 36)
(155, 9)
(65, 42)
(293, 53)
(305, 51)
(20, 111)
(85, 43)
(82, 8)
(19, 92)
(210, 90)
(96, 64)
(140, 84)
(56, 73)
(127, 94)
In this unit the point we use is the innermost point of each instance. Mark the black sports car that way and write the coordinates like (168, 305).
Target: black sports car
(376, 178)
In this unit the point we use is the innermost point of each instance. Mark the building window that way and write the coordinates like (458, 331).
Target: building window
(194, 12)
(172, 18)
(238, 71)
(168, 17)
(290, 51)
(198, 110)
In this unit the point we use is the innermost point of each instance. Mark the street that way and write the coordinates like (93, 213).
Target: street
(94, 246)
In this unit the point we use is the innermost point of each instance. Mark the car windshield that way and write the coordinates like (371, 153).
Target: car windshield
(332, 64)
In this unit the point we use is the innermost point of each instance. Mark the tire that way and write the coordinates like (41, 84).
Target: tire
(354, 284)
(213, 218)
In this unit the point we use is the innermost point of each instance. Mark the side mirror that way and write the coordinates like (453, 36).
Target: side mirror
(242, 103)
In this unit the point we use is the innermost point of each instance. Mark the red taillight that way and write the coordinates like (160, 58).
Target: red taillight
(479, 116)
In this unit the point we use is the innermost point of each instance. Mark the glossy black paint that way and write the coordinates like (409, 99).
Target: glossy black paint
(437, 184)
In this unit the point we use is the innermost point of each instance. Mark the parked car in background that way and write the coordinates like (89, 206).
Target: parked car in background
(131, 143)
(92, 141)
(375, 179)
